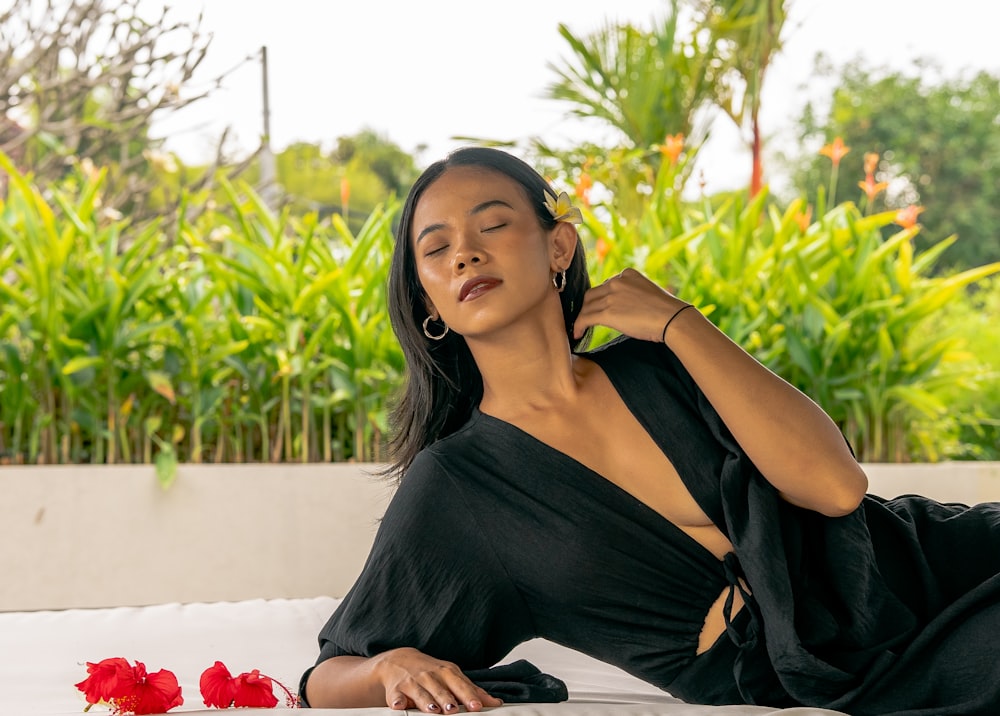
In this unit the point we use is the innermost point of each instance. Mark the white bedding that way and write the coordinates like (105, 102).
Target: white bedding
(43, 654)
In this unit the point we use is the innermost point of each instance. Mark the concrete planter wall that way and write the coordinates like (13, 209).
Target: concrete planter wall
(86, 536)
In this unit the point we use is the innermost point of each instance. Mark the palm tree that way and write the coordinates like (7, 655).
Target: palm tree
(747, 35)
(647, 84)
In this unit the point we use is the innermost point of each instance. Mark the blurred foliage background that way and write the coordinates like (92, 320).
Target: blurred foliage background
(159, 312)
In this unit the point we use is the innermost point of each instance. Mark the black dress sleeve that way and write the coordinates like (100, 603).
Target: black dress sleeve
(431, 582)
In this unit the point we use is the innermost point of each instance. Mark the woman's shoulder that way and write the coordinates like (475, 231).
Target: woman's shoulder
(433, 467)
(424, 476)
(425, 488)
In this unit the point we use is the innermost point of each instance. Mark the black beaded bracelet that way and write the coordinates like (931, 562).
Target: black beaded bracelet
(663, 337)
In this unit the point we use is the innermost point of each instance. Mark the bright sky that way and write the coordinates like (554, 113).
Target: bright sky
(423, 72)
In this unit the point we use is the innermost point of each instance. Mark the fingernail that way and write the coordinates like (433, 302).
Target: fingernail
(397, 703)
(449, 707)
(432, 707)
(475, 705)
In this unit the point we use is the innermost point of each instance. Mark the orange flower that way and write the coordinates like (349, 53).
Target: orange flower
(601, 248)
(672, 147)
(836, 150)
(345, 193)
(871, 162)
(582, 188)
(804, 218)
(907, 218)
(871, 188)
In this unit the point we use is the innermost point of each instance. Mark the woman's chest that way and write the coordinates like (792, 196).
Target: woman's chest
(606, 441)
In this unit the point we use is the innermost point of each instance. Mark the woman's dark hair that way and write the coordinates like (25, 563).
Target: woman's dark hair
(443, 383)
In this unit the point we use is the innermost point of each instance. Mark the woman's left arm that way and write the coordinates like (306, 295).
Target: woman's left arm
(791, 440)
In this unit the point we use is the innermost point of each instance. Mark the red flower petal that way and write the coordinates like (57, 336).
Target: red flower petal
(149, 693)
(107, 680)
(218, 687)
(254, 689)
(129, 689)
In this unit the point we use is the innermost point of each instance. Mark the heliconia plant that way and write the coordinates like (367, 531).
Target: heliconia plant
(250, 336)
(838, 304)
(254, 335)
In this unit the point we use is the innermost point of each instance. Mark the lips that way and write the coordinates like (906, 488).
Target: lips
(477, 286)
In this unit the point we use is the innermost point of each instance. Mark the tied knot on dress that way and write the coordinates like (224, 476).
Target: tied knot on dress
(747, 638)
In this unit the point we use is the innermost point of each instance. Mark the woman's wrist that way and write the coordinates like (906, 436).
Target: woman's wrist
(679, 311)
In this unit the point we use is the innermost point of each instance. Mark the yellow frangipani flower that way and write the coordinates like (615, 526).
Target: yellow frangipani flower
(562, 208)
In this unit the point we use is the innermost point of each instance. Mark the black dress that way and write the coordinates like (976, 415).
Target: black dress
(494, 538)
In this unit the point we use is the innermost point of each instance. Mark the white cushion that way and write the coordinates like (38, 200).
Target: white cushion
(43, 654)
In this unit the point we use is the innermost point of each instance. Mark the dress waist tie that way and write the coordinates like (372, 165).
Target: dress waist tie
(755, 678)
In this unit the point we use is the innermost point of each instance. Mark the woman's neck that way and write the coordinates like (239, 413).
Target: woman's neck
(527, 370)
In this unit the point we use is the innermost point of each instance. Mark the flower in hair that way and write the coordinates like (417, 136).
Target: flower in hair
(562, 208)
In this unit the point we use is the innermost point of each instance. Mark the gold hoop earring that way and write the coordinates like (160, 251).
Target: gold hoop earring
(560, 284)
(430, 335)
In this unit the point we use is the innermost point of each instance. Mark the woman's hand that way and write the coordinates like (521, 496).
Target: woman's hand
(629, 303)
(414, 680)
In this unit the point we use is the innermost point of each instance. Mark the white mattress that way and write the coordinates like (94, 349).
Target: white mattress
(43, 654)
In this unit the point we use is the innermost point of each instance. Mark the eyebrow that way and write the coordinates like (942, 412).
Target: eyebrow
(477, 209)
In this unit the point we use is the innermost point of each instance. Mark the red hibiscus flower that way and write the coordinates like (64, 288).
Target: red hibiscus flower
(129, 689)
(105, 675)
(254, 689)
(220, 689)
(153, 693)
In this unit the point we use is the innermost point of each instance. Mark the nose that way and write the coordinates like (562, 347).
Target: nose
(469, 253)
(461, 261)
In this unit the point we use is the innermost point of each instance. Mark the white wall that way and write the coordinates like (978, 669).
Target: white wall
(965, 482)
(85, 536)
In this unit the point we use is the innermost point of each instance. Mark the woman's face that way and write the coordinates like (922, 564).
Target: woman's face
(482, 257)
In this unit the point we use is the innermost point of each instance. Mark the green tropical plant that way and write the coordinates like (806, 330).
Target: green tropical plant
(830, 305)
(646, 84)
(253, 336)
(973, 319)
(937, 140)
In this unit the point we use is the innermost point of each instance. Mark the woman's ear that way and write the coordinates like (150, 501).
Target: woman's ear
(562, 242)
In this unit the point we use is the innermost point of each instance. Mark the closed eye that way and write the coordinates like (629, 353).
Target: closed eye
(494, 228)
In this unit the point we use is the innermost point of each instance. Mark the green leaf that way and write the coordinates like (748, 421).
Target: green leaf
(75, 365)
(161, 383)
(166, 466)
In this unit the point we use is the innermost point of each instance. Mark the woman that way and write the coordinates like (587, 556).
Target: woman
(664, 503)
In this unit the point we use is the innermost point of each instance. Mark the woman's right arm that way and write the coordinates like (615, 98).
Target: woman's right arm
(399, 678)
